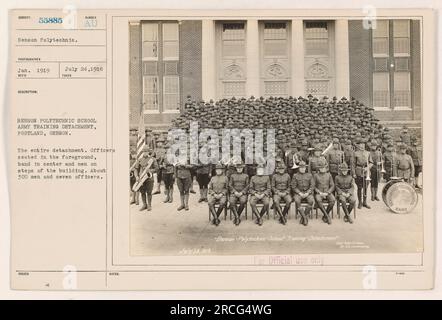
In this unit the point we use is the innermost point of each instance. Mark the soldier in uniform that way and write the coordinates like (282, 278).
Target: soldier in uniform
(416, 154)
(345, 191)
(302, 185)
(334, 158)
(317, 160)
(349, 156)
(405, 136)
(289, 159)
(218, 188)
(238, 189)
(160, 154)
(304, 154)
(324, 187)
(133, 194)
(375, 170)
(363, 163)
(168, 170)
(388, 158)
(260, 191)
(146, 188)
(183, 180)
(281, 190)
(403, 166)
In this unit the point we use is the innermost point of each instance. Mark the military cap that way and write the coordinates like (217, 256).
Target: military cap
(343, 166)
(219, 166)
(302, 164)
(280, 165)
(403, 146)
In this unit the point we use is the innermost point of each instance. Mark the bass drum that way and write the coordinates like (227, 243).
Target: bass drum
(399, 196)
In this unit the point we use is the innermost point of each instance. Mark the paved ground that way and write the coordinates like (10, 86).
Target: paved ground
(166, 231)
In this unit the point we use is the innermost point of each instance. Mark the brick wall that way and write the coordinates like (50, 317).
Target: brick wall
(135, 90)
(361, 76)
(359, 56)
(190, 71)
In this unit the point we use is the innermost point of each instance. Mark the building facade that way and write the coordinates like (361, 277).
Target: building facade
(214, 59)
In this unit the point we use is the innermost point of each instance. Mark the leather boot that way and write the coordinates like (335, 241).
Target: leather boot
(132, 197)
(143, 199)
(365, 203)
(201, 199)
(344, 207)
(158, 191)
(285, 212)
(325, 216)
(376, 194)
(137, 197)
(359, 198)
(372, 194)
(167, 192)
(182, 206)
(235, 214)
(171, 195)
(186, 202)
(149, 202)
(306, 215)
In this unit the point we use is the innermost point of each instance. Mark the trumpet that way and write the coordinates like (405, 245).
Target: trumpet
(382, 164)
(295, 160)
(367, 172)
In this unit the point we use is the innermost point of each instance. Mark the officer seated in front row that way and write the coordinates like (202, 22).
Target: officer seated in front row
(281, 191)
(218, 187)
(303, 185)
(345, 191)
(260, 192)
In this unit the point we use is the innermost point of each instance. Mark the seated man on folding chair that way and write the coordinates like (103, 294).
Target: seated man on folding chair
(345, 191)
(303, 185)
(217, 193)
(238, 186)
(281, 190)
(260, 191)
(324, 187)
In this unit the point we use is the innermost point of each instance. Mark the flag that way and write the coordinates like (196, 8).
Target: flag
(141, 140)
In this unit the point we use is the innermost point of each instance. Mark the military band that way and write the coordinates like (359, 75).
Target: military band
(318, 160)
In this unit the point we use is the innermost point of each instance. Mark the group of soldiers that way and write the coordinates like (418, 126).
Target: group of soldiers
(323, 148)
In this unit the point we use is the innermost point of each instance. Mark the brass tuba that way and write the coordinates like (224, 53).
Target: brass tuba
(295, 159)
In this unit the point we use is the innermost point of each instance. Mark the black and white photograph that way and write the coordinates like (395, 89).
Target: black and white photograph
(282, 136)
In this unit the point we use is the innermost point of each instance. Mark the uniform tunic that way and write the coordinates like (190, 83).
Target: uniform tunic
(315, 163)
(388, 157)
(184, 178)
(416, 155)
(375, 171)
(260, 185)
(344, 184)
(324, 183)
(334, 158)
(281, 183)
(349, 157)
(303, 183)
(218, 185)
(238, 182)
(404, 166)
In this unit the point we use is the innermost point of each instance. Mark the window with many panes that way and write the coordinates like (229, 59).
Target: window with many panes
(316, 38)
(391, 64)
(275, 48)
(275, 39)
(233, 47)
(160, 55)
